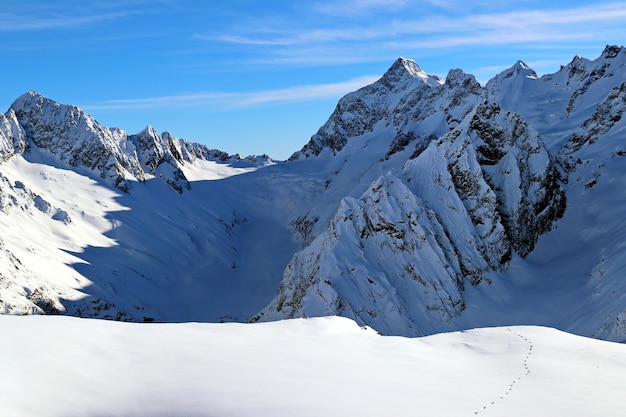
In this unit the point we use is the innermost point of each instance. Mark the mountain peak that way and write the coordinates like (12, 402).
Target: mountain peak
(523, 69)
(149, 130)
(405, 70)
(408, 65)
(519, 70)
(612, 51)
(31, 96)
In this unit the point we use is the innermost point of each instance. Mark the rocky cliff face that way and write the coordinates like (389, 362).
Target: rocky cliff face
(358, 113)
(75, 138)
(407, 248)
(525, 179)
(483, 181)
(12, 136)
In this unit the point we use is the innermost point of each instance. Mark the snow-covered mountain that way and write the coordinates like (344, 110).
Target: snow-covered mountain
(422, 205)
(74, 138)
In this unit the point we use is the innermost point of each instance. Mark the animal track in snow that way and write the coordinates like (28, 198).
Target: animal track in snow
(512, 384)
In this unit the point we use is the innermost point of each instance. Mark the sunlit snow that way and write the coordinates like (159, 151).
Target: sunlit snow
(62, 366)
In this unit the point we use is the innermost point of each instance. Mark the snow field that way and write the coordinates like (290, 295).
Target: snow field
(64, 366)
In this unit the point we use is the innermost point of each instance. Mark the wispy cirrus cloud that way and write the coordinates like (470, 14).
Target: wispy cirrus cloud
(11, 22)
(602, 13)
(238, 99)
(42, 15)
(355, 7)
(289, 36)
(389, 36)
(523, 26)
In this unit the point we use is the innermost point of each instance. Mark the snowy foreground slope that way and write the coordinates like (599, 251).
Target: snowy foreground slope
(422, 205)
(63, 366)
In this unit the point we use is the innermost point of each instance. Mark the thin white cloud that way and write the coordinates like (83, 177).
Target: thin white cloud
(10, 22)
(308, 92)
(493, 38)
(381, 38)
(604, 13)
(163, 101)
(312, 57)
(238, 100)
(464, 6)
(36, 16)
(243, 40)
(293, 37)
(541, 21)
(355, 7)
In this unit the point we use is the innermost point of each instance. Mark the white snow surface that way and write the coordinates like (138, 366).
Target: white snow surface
(65, 367)
(93, 250)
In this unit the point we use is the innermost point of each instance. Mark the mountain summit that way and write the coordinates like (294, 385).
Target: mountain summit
(422, 205)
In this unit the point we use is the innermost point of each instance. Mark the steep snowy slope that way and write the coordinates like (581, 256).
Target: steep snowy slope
(421, 206)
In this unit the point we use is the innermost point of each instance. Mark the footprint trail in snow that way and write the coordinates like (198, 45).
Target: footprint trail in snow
(511, 386)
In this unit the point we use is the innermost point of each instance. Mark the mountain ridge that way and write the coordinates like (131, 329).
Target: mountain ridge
(77, 139)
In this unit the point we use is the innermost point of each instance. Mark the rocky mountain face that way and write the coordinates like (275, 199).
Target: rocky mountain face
(456, 210)
(480, 185)
(12, 136)
(75, 138)
(421, 205)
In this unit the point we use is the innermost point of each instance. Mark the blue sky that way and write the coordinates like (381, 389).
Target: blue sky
(249, 76)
